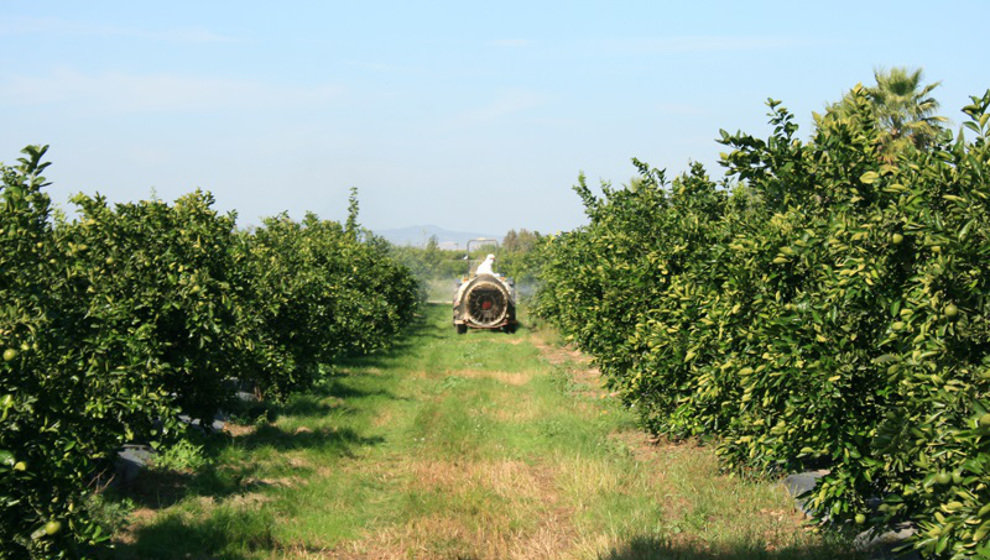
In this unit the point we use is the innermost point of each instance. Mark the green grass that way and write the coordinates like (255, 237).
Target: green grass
(482, 445)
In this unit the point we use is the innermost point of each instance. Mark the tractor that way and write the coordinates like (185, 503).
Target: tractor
(484, 299)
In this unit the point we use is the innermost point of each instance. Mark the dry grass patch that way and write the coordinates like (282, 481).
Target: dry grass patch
(482, 509)
(249, 501)
(298, 462)
(424, 374)
(514, 480)
(281, 482)
(557, 354)
(516, 379)
(239, 430)
(384, 418)
(137, 518)
(436, 537)
(441, 536)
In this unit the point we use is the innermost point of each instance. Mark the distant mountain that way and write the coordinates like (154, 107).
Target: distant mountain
(417, 236)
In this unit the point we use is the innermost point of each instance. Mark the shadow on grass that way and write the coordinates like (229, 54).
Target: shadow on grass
(227, 533)
(337, 388)
(342, 398)
(158, 489)
(337, 441)
(651, 548)
(230, 530)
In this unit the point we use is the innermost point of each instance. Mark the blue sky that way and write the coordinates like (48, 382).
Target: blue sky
(466, 115)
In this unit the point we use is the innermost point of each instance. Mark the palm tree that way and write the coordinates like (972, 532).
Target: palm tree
(904, 108)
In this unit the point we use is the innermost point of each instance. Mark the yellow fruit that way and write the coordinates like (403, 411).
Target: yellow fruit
(896, 239)
(951, 311)
(20, 466)
(860, 519)
(985, 420)
(53, 527)
(9, 354)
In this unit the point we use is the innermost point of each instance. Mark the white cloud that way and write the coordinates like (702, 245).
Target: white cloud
(55, 26)
(118, 92)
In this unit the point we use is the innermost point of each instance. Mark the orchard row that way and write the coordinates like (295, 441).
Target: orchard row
(115, 323)
(826, 306)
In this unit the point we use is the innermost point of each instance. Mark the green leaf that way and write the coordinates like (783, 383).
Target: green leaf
(869, 177)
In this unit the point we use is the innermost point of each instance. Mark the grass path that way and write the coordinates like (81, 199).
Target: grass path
(481, 446)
